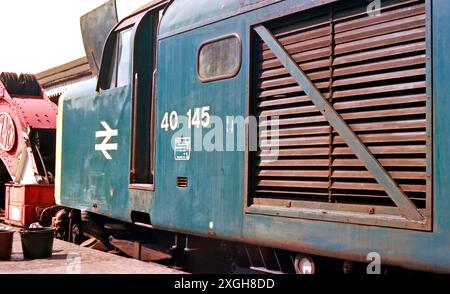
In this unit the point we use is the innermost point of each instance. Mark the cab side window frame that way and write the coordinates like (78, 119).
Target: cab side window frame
(210, 56)
(111, 60)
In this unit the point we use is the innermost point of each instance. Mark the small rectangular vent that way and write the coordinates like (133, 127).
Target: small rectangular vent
(182, 182)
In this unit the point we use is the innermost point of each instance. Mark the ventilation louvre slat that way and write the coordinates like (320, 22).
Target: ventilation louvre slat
(381, 29)
(409, 48)
(383, 65)
(376, 150)
(381, 41)
(301, 57)
(384, 17)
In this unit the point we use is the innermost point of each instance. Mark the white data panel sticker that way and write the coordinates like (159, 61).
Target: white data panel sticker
(183, 149)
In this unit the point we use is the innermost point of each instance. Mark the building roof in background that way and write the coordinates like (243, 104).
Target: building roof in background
(65, 73)
(60, 79)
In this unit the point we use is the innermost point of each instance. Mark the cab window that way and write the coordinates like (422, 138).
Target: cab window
(124, 58)
(116, 63)
(219, 59)
(121, 66)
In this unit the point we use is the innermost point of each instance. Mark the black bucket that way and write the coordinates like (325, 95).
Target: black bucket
(37, 243)
(6, 241)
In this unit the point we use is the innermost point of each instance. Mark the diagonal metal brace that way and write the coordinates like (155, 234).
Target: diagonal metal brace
(406, 206)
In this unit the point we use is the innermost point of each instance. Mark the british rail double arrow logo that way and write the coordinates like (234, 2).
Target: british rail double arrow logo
(107, 134)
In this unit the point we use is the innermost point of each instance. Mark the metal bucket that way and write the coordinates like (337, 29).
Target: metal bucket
(6, 241)
(37, 243)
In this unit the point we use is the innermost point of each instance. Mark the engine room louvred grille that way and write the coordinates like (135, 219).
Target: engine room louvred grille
(372, 70)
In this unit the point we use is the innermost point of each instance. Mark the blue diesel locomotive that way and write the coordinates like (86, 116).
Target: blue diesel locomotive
(295, 130)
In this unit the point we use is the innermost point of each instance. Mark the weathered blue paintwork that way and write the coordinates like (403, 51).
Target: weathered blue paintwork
(217, 180)
(90, 175)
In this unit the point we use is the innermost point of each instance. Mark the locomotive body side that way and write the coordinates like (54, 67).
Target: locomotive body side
(208, 192)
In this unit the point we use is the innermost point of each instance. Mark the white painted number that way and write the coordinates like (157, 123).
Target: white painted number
(197, 117)
(194, 120)
(170, 121)
(173, 120)
(200, 118)
(206, 118)
(165, 122)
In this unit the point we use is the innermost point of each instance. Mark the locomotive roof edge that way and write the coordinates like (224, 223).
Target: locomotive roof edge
(178, 19)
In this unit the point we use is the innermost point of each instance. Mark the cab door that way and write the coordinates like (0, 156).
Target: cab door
(143, 101)
(107, 139)
(126, 87)
(95, 136)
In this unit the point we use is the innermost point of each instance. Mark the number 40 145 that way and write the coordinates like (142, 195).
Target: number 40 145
(197, 117)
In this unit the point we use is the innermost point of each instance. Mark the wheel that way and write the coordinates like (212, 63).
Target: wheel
(62, 225)
(304, 265)
(46, 217)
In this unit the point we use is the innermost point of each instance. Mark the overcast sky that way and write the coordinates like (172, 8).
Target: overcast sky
(36, 35)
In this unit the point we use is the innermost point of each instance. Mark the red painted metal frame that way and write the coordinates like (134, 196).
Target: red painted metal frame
(27, 113)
